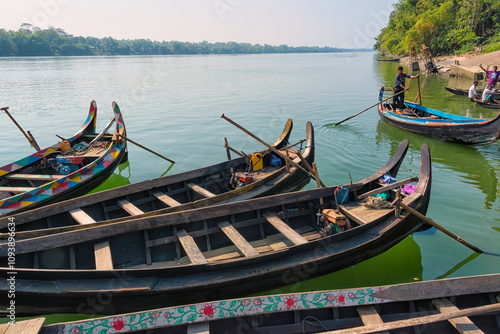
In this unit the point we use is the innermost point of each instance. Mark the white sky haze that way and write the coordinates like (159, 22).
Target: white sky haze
(335, 23)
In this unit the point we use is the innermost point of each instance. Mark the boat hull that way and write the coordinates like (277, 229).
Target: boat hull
(460, 131)
(127, 288)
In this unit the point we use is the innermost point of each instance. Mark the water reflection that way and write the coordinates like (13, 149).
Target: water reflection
(120, 177)
(470, 162)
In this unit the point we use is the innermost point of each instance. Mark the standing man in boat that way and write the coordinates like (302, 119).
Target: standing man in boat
(399, 100)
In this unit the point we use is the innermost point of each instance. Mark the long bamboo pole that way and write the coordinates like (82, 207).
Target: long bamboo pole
(376, 104)
(32, 141)
(147, 149)
(267, 145)
(439, 227)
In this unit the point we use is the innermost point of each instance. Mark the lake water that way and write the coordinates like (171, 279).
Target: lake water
(173, 104)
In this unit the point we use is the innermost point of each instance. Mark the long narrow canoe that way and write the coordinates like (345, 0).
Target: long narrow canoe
(465, 92)
(487, 104)
(440, 125)
(50, 175)
(418, 307)
(222, 251)
(193, 189)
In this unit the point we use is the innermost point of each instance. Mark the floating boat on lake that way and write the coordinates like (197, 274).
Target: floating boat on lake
(440, 125)
(57, 172)
(222, 251)
(221, 183)
(418, 307)
(487, 104)
(465, 92)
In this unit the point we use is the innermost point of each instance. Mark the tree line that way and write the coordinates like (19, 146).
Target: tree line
(446, 26)
(33, 41)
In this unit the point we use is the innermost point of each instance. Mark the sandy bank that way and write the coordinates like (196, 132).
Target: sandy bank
(470, 59)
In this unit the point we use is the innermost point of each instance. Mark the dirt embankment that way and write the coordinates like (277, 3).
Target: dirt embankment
(470, 59)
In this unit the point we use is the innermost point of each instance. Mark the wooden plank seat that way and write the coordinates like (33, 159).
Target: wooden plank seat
(129, 207)
(166, 199)
(81, 217)
(102, 253)
(15, 190)
(200, 190)
(237, 239)
(31, 326)
(268, 244)
(199, 328)
(369, 316)
(286, 230)
(40, 177)
(462, 324)
(193, 252)
(360, 214)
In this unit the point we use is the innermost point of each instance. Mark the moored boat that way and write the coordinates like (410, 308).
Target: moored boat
(491, 105)
(67, 169)
(220, 183)
(222, 251)
(424, 307)
(458, 91)
(440, 125)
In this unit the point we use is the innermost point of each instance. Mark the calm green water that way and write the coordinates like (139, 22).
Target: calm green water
(173, 105)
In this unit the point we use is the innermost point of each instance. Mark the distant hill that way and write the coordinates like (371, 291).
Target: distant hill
(446, 26)
(33, 41)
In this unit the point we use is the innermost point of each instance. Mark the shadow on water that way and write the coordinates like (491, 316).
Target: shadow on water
(471, 162)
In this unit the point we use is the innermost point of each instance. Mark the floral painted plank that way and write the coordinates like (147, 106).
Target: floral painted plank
(202, 312)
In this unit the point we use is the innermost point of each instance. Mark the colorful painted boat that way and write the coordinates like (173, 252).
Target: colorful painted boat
(465, 92)
(440, 125)
(222, 251)
(50, 175)
(206, 186)
(418, 307)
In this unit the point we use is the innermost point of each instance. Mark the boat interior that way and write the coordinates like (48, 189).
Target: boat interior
(245, 233)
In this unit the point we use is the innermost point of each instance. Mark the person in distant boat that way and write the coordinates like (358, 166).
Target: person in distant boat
(399, 100)
(473, 92)
(488, 94)
(492, 75)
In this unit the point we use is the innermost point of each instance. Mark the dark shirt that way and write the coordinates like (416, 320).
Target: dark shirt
(400, 79)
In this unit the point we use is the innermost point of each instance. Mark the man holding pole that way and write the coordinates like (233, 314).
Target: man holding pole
(399, 99)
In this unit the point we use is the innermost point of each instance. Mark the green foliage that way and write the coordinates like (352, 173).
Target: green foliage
(32, 41)
(445, 26)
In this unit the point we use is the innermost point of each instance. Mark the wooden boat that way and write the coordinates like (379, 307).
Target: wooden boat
(50, 175)
(418, 307)
(193, 189)
(440, 125)
(222, 251)
(388, 59)
(458, 91)
(487, 104)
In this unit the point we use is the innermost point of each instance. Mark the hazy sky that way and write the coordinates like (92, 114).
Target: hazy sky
(337, 23)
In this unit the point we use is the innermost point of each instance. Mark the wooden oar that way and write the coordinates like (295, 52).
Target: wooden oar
(376, 104)
(439, 227)
(228, 152)
(419, 94)
(145, 148)
(267, 145)
(229, 148)
(30, 139)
